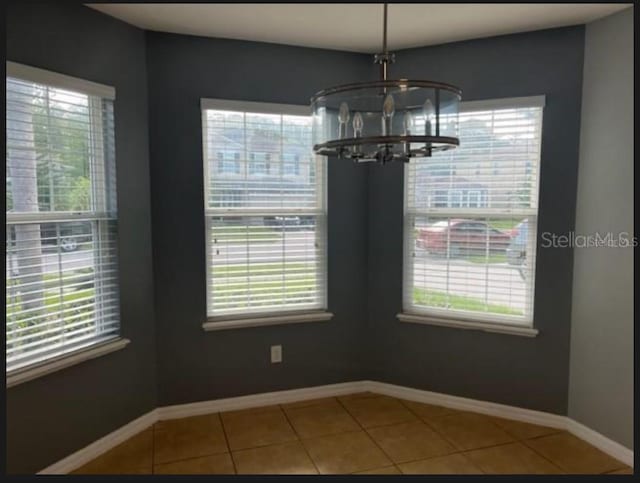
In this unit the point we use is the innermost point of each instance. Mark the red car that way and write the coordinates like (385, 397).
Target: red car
(464, 237)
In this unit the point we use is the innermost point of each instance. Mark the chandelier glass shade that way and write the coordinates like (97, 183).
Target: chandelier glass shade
(385, 120)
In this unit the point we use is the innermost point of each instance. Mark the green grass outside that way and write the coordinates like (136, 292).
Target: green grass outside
(52, 296)
(52, 300)
(240, 268)
(78, 312)
(492, 258)
(503, 224)
(299, 286)
(436, 299)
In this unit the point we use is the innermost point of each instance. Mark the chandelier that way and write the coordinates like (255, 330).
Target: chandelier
(385, 120)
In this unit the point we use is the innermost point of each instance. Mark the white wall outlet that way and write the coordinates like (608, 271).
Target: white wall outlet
(276, 353)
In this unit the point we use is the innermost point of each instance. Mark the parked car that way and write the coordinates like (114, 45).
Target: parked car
(517, 249)
(289, 221)
(464, 237)
(71, 235)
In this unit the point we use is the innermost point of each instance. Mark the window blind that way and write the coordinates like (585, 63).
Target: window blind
(471, 218)
(265, 212)
(61, 222)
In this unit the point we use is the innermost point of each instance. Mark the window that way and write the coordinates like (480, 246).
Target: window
(225, 163)
(266, 247)
(221, 165)
(455, 197)
(259, 164)
(472, 257)
(61, 262)
(291, 165)
(473, 198)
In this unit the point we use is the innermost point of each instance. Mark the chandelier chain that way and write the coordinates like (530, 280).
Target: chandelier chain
(384, 30)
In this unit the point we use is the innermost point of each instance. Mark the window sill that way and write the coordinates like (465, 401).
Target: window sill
(470, 325)
(62, 362)
(228, 324)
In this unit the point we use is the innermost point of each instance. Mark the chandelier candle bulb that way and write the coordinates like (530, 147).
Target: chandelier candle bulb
(429, 112)
(407, 122)
(343, 119)
(388, 110)
(358, 124)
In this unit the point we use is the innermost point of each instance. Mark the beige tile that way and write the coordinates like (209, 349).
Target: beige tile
(521, 430)
(427, 411)
(357, 395)
(219, 464)
(469, 431)
(250, 411)
(279, 459)
(454, 464)
(624, 471)
(378, 411)
(178, 439)
(133, 456)
(511, 459)
(389, 470)
(110, 470)
(573, 455)
(345, 453)
(320, 420)
(250, 429)
(410, 441)
(308, 402)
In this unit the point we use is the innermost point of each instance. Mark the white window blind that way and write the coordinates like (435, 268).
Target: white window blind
(61, 261)
(265, 213)
(471, 217)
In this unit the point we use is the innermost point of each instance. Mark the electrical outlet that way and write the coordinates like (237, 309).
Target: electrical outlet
(276, 354)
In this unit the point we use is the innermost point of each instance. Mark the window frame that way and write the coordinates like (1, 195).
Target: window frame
(100, 214)
(490, 322)
(267, 317)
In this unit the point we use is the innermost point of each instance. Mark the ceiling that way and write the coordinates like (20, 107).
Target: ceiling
(354, 27)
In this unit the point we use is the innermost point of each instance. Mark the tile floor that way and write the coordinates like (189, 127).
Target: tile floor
(359, 433)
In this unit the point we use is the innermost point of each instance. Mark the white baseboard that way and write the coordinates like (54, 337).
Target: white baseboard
(472, 405)
(604, 444)
(600, 441)
(111, 440)
(257, 400)
(104, 444)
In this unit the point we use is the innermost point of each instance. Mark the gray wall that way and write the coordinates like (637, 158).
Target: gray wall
(197, 365)
(526, 372)
(601, 382)
(51, 417)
